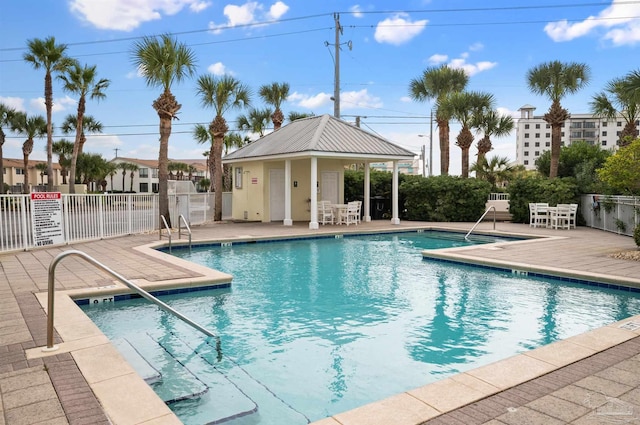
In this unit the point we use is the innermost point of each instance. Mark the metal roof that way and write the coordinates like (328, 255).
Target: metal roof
(321, 136)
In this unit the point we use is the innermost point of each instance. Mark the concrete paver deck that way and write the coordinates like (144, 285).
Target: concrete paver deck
(53, 389)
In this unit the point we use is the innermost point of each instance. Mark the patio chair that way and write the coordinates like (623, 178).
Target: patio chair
(538, 214)
(353, 213)
(559, 217)
(572, 217)
(325, 213)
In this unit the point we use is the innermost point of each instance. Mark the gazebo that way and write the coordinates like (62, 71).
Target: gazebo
(282, 175)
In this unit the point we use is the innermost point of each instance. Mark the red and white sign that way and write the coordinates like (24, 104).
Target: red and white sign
(254, 180)
(46, 218)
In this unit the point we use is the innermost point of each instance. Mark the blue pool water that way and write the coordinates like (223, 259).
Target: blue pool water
(311, 328)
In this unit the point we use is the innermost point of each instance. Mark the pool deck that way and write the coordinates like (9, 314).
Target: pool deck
(592, 378)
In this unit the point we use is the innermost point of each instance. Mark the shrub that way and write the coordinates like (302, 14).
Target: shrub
(553, 191)
(636, 235)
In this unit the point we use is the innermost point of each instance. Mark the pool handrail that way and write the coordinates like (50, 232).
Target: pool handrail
(128, 283)
(180, 220)
(492, 207)
(166, 226)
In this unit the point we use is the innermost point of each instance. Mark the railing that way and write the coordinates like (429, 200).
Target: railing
(498, 196)
(619, 214)
(180, 220)
(482, 218)
(165, 226)
(129, 284)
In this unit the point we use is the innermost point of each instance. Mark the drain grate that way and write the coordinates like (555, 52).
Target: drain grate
(630, 326)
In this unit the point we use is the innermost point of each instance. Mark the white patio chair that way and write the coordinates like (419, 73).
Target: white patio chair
(538, 214)
(560, 217)
(353, 213)
(572, 218)
(325, 213)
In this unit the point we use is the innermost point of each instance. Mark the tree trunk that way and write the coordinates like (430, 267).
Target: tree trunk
(443, 129)
(555, 117)
(77, 145)
(2, 138)
(218, 141)
(48, 101)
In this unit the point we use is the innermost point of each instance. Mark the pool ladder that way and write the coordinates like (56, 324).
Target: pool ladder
(181, 220)
(128, 283)
(492, 207)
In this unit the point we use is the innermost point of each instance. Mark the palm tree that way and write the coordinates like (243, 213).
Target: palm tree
(556, 79)
(438, 83)
(496, 170)
(42, 167)
(465, 107)
(124, 166)
(84, 82)
(293, 115)
(6, 115)
(203, 136)
(132, 168)
(222, 94)
(616, 100)
(256, 121)
(274, 94)
(491, 123)
(64, 149)
(34, 126)
(163, 61)
(70, 125)
(51, 57)
(111, 170)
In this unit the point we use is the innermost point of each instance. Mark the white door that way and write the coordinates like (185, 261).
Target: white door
(329, 186)
(276, 194)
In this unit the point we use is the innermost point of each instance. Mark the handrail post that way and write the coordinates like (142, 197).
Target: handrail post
(492, 207)
(166, 226)
(181, 218)
(129, 284)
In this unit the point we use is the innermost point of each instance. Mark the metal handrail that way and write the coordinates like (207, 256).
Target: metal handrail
(129, 284)
(166, 226)
(181, 218)
(492, 207)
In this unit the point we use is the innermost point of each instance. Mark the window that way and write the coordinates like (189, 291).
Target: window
(619, 123)
(562, 134)
(526, 126)
(604, 123)
(537, 144)
(590, 124)
(547, 135)
(238, 178)
(154, 174)
(562, 126)
(548, 126)
(576, 125)
(526, 135)
(576, 134)
(537, 126)
(590, 134)
(526, 144)
(526, 162)
(547, 144)
(537, 153)
(144, 187)
(604, 134)
(144, 173)
(155, 188)
(20, 171)
(604, 143)
(618, 133)
(526, 153)
(4, 170)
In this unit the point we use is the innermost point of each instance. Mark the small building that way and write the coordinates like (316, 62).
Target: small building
(145, 177)
(13, 175)
(283, 175)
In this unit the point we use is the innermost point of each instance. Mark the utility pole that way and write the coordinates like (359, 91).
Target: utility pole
(424, 161)
(358, 121)
(336, 87)
(116, 149)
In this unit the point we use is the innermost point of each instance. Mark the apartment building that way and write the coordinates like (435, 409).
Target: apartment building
(145, 178)
(533, 134)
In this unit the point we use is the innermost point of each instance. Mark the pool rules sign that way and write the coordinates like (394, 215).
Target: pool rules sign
(46, 218)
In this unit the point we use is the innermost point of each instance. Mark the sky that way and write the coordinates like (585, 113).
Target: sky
(383, 46)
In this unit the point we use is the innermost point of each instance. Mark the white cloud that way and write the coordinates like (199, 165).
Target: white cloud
(59, 105)
(127, 15)
(471, 69)
(359, 99)
(506, 111)
(475, 47)
(620, 21)
(218, 68)
(356, 11)
(406, 99)
(438, 59)
(277, 10)
(249, 13)
(309, 102)
(16, 103)
(398, 30)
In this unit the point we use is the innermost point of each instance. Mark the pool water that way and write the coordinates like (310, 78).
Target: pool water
(314, 327)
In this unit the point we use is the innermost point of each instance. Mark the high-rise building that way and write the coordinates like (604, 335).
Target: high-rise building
(533, 134)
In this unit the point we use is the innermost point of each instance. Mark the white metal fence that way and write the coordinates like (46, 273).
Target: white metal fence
(619, 214)
(97, 216)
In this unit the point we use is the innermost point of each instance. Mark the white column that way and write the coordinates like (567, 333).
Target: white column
(367, 192)
(287, 193)
(313, 224)
(395, 219)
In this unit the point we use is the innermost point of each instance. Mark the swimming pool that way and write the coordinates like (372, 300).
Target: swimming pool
(314, 327)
